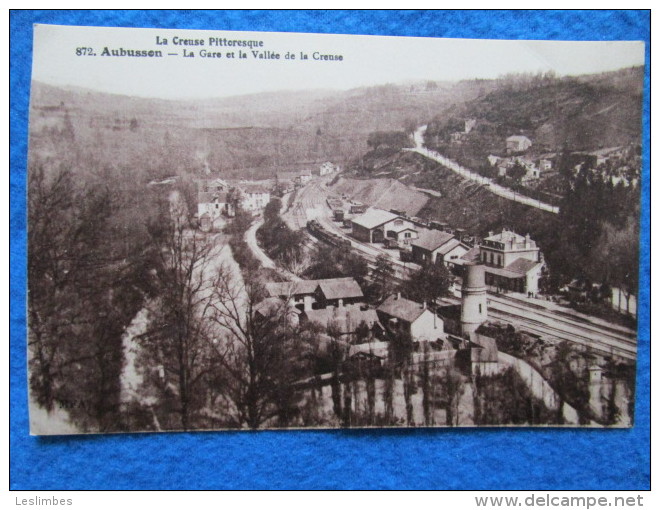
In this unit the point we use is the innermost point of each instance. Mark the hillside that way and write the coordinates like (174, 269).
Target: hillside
(383, 193)
(250, 136)
(463, 203)
(577, 113)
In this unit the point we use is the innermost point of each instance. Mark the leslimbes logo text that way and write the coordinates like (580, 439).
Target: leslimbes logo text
(211, 47)
(37, 501)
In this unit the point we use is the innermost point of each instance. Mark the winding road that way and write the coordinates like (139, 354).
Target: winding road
(489, 184)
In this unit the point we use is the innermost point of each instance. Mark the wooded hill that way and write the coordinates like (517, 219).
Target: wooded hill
(575, 113)
(252, 136)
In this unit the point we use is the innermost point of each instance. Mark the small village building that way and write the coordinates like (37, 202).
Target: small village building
(401, 233)
(517, 143)
(513, 262)
(398, 314)
(254, 197)
(603, 155)
(435, 247)
(211, 206)
(372, 226)
(276, 308)
(317, 294)
(305, 177)
(338, 292)
(546, 162)
(346, 319)
(327, 168)
(212, 185)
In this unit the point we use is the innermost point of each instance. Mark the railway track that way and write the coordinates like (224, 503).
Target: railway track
(598, 340)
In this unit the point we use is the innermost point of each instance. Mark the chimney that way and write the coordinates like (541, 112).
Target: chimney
(398, 295)
(490, 233)
(424, 305)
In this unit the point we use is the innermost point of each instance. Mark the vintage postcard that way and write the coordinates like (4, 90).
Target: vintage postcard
(233, 230)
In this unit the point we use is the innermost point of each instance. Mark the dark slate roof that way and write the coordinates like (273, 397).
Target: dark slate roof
(522, 266)
(401, 308)
(332, 288)
(472, 254)
(432, 239)
(337, 288)
(207, 197)
(447, 247)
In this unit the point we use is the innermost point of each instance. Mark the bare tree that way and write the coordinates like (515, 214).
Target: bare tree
(260, 357)
(177, 340)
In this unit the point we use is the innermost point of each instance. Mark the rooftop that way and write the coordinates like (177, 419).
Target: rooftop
(517, 138)
(253, 188)
(506, 236)
(332, 288)
(373, 218)
(402, 308)
(447, 247)
(336, 288)
(432, 239)
(207, 197)
(346, 318)
(286, 289)
(272, 305)
(522, 266)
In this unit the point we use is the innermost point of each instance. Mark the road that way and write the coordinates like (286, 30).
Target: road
(489, 184)
(262, 256)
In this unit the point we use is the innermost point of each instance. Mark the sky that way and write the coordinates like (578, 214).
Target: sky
(366, 60)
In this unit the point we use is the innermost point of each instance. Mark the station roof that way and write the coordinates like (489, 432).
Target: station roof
(374, 218)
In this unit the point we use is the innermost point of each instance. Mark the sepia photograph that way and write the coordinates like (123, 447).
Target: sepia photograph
(258, 230)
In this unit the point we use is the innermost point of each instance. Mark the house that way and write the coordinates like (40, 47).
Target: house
(398, 314)
(327, 168)
(435, 246)
(545, 162)
(602, 155)
(305, 177)
(517, 143)
(494, 160)
(275, 307)
(316, 294)
(212, 185)
(401, 233)
(302, 293)
(211, 205)
(346, 319)
(372, 226)
(513, 262)
(254, 197)
(338, 292)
